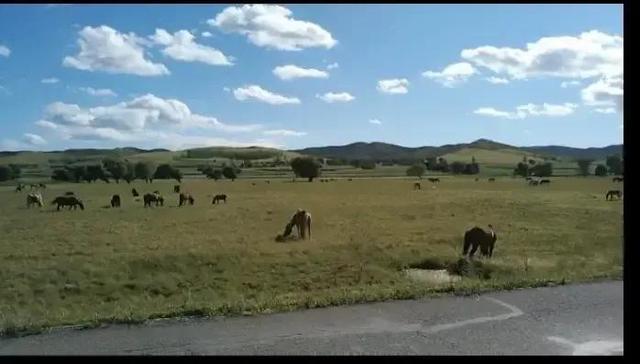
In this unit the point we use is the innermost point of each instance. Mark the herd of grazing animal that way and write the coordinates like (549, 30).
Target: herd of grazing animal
(474, 238)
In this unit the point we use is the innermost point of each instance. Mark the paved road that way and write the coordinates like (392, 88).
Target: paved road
(565, 320)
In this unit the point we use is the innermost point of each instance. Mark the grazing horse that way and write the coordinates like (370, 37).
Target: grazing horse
(302, 221)
(492, 179)
(42, 185)
(217, 198)
(544, 181)
(612, 193)
(115, 201)
(151, 198)
(70, 201)
(417, 186)
(350, 179)
(134, 192)
(19, 188)
(34, 199)
(476, 237)
(618, 179)
(176, 188)
(434, 180)
(184, 198)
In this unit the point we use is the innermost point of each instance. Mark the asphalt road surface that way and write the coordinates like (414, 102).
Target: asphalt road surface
(585, 319)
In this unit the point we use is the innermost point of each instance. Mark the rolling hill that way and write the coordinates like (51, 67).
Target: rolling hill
(384, 152)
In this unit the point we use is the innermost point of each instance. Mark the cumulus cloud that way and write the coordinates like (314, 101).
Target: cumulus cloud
(375, 121)
(590, 54)
(272, 26)
(98, 92)
(284, 132)
(606, 110)
(529, 110)
(50, 80)
(33, 139)
(497, 80)
(290, 72)
(333, 65)
(567, 84)
(607, 91)
(331, 97)
(394, 86)
(207, 34)
(182, 47)
(452, 75)
(4, 51)
(130, 121)
(258, 93)
(105, 49)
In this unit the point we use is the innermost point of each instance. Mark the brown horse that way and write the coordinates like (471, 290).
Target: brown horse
(184, 198)
(217, 198)
(612, 193)
(34, 199)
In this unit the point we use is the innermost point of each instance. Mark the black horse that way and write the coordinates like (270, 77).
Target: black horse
(476, 237)
(176, 188)
(115, 201)
(545, 181)
(150, 198)
(70, 201)
(134, 192)
(434, 180)
(618, 179)
(492, 179)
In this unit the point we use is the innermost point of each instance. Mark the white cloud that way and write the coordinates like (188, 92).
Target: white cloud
(33, 139)
(98, 92)
(497, 80)
(567, 84)
(50, 80)
(105, 49)
(608, 91)
(181, 46)
(331, 97)
(290, 72)
(4, 51)
(333, 65)
(375, 121)
(452, 75)
(207, 34)
(131, 121)
(394, 86)
(258, 93)
(284, 132)
(529, 110)
(607, 110)
(590, 54)
(226, 89)
(272, 26)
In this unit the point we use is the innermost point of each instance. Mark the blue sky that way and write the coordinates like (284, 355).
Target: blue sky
(178, 76)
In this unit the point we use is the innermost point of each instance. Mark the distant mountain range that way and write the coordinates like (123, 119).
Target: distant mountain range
(384, 151)
(364, 151)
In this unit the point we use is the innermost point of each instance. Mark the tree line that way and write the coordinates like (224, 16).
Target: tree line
(117, 170)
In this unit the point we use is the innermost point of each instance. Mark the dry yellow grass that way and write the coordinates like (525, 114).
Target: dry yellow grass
(133, 263)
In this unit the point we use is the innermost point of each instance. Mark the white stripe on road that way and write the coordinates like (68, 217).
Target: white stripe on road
(515, 312)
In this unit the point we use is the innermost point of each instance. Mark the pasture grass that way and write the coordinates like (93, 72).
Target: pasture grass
(131, 264)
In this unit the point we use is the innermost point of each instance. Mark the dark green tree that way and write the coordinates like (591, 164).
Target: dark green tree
(306, 168)
(601, 170)
(416, 170)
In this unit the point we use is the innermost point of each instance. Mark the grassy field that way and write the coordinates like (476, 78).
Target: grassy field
(130, 264)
